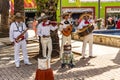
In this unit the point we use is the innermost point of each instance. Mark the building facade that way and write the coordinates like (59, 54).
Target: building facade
(107, 7)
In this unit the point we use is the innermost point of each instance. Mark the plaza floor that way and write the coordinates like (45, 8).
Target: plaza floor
(106, 66)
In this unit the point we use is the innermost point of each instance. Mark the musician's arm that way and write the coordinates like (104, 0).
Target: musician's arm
(39, 30)
(11, 32)
(53, 28)
(80, 26)
(26, 34)
(62, 26)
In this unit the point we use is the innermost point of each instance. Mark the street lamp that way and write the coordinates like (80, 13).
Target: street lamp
(98, 13)
(98, 8)
(60, 9)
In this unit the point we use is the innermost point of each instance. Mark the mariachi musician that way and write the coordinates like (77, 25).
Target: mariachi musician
(18, 37)
(43, 31)
(87, 38)
(66, 30)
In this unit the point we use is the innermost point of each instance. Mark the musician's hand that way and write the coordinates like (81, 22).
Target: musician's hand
(65, 29)
(58, 24)
(13, 43)
(43, 36)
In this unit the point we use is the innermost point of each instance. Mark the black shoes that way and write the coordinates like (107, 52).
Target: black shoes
(83, 58)
(89, 57)
(92, 56)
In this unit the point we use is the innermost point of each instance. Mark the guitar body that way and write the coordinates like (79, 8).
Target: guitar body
(67, 31)
(86, 30)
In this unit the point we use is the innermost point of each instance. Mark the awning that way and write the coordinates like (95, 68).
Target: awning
(30, 10)
(77, 10)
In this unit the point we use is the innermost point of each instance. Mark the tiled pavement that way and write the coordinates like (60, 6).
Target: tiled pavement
(106, 66)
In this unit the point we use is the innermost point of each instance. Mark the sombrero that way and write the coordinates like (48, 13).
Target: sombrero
(43, 16)
(81, 16)
(18, 16)
(64, 14)
(84, 15)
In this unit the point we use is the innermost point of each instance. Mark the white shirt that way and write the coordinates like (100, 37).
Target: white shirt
(45, 30)
(82, 24)
(64, 25)
(16, 29)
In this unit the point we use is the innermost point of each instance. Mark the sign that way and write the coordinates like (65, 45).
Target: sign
(77, 10)
(72, 1)
(113, 10)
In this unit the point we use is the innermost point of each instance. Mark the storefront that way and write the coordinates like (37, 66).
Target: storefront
(104, 5)
(29, 8)
(77, 12)
(112, 11)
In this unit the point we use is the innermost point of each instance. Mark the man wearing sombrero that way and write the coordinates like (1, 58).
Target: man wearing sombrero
(64, 28)
(16, 29)
(66, 54)
(88, 38)
(43, 31)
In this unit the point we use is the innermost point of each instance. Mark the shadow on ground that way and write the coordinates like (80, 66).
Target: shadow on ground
(117, 58)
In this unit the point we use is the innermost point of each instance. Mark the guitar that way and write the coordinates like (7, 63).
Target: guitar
(21, 36)
(67, 31)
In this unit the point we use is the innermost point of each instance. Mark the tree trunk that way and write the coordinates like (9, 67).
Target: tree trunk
(19, 6)
(50, 7)
(4, 16)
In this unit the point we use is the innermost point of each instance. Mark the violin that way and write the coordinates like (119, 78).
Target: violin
(54, 23)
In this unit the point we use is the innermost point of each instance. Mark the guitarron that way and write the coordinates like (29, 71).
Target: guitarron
(67, 31)
(86, 30)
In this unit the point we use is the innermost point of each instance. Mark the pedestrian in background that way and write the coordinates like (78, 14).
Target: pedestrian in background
(110, 23)
(34, 25)
(118, 24)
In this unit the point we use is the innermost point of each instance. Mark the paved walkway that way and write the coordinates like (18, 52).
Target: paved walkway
(106, 66)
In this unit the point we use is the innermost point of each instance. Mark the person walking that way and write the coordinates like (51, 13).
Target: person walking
(17, 28)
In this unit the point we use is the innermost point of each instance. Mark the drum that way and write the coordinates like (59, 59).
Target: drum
(86, 30)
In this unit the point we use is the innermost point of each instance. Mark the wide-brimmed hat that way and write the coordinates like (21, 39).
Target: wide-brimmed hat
(64, 14)
(18, 16)
(83, 15)
(43, 16)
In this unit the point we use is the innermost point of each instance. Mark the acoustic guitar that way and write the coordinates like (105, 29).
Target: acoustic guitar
(67, 31)
(21, 36)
